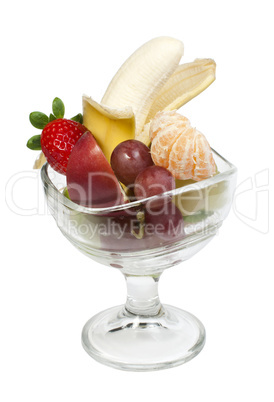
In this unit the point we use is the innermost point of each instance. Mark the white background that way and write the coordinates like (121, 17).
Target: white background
(48, 289)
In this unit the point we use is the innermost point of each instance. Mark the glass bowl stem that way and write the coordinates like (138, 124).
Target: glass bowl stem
(142, 295)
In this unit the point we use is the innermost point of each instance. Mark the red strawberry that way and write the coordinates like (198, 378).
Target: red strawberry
(57, 140)
(58, 137)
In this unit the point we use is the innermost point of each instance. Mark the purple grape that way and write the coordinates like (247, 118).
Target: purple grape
(153, 180)
(166, 223)
(128, 159)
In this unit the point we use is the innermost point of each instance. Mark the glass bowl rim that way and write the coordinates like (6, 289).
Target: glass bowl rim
(47, 182)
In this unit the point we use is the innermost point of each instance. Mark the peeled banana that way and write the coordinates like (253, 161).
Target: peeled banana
(139, 80)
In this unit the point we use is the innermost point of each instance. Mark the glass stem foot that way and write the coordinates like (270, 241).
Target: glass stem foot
(143, 335)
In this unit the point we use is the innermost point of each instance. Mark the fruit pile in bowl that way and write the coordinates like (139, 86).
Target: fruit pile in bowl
(134, 171)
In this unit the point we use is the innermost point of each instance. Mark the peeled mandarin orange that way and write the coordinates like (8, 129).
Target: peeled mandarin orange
(180, 148)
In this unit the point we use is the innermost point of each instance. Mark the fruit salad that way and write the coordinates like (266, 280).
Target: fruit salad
(134, 146)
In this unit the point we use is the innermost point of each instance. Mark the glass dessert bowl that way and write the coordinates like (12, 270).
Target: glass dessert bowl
(141, 239)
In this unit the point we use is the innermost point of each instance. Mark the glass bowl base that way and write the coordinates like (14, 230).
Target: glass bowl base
(125, 341)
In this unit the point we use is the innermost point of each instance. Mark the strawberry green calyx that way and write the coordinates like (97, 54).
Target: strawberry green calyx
(38, 120)
(78, 118)
(52, 117)
(58, 108)
(34, 143)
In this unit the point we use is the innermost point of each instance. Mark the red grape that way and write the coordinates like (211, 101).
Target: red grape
(154, 180)
(166, 224)
(128, 159)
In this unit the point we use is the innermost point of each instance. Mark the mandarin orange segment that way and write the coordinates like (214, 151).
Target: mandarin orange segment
(181, 163)
(180, 148)
(164, 130)
(204, 163)
(162, 145)
(165, 119)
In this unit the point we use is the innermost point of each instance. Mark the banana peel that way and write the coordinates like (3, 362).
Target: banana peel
(188, 81)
